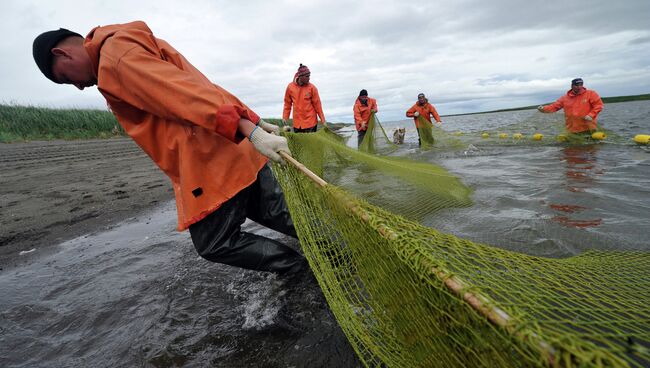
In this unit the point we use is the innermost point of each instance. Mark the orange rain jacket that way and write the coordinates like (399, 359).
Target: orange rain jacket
(362, 113)
(186, 124)
(306, 105)
(576, 107)
(424, 110)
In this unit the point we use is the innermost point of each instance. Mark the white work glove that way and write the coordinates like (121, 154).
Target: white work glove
(416, 114)
(323, 122)
(540, 108)
(364, 125)
(438, 124)
(270, 128)
(269, 144)
(588, 118)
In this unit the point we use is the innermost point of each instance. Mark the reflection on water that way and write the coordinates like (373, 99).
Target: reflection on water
(547, 198)
(581, 170)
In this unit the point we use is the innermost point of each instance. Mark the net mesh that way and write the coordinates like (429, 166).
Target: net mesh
(376, 140)
(407, 295)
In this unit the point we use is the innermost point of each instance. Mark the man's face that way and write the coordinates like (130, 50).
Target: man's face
(304, 79)
(422, 100)
(73, 66)
(576, 87)
(363, 99)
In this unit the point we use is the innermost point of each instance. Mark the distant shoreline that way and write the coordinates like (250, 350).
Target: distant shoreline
(29, 123)
(606, 100)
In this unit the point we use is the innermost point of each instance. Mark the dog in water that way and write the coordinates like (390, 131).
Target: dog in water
(398, 135)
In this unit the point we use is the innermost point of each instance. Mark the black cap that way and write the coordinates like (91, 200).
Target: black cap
(42, 49)
(576, 81)
(363, 93)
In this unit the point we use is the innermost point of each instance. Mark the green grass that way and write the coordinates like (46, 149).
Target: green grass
(24, 123)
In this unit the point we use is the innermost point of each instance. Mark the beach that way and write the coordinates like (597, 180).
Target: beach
(94, 273)
(56, 190)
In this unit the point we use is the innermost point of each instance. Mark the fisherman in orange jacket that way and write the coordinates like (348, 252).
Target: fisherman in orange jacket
(210, 144)
(425, 109)
(581, 107)
(306, 103)
(363, 107)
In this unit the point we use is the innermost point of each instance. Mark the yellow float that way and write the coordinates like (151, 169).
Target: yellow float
(599, 136)
(538, 136)
(642, 138)
(503, 135)
(517, 136)
(485, 135)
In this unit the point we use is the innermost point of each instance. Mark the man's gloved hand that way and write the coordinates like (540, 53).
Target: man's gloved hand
(270, 128)
(364, 125)
(416, 114)
(438, 124)
(588, 118)
(540, 108)
(286, 127)
(269, 144)
(323, 122)
(373, 111)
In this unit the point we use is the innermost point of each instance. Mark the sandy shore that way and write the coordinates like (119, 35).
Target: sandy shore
(57, 190)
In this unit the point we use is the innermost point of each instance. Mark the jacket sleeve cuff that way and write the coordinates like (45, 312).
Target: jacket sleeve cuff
(228, 121)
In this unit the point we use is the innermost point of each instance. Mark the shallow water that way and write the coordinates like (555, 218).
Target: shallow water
(139, 295)
(546, 198)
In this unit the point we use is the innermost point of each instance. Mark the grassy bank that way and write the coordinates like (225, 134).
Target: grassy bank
(21, 123)
(27, 123)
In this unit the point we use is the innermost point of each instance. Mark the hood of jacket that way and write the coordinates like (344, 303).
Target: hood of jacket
(98, 35)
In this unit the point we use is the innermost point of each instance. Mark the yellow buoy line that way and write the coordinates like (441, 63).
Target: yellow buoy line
(598, 136)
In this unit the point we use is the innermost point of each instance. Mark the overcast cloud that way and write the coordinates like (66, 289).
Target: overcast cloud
(467, 56)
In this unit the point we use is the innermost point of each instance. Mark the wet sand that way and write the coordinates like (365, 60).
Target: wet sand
(57, 190)
(93, 273)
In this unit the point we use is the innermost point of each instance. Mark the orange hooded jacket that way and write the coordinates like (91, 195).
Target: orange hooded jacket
(576, 107)
(186, 124)
(362, 113)
(306, 105)
(425, 111)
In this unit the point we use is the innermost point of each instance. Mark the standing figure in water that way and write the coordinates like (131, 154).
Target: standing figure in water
(303, 97)
(364, 107)
(581, 108)
(426, 110)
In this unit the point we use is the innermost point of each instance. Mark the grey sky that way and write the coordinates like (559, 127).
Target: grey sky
(466, 56)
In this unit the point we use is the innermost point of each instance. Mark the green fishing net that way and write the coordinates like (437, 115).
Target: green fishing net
(407, 295)
(376, 140)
